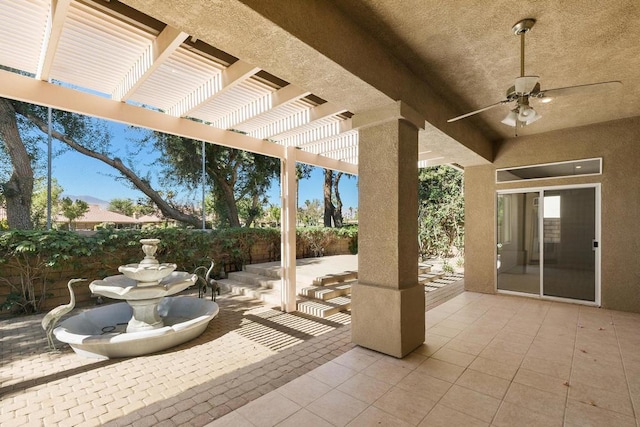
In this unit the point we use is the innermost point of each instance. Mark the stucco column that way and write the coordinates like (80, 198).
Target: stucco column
(387, 303)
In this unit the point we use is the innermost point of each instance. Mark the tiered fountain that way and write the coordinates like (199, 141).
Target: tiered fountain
(149, 321)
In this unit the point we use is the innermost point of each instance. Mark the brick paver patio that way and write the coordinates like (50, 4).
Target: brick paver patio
(247, 351)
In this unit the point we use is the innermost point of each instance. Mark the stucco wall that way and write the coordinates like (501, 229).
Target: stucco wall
(618, 143)
(479, 225)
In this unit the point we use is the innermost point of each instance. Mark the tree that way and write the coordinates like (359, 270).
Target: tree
(337, 212)
(440, 211)
(73, 210)
(311, 213)
(303, 171)
(84, 134)
(329, 208)
(39, 202)
(235, 175)
(330, 189)
(122, 206)
(18, 189)
(274, 213)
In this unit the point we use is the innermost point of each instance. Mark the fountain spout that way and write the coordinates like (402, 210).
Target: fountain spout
(143, 286)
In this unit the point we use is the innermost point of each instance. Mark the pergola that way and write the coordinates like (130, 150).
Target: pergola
(109, 61)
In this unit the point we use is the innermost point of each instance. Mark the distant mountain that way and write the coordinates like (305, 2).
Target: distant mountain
(89, 199)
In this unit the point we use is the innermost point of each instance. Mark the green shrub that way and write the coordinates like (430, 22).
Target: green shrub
(350, 232)
(314, 240)
(34, 255)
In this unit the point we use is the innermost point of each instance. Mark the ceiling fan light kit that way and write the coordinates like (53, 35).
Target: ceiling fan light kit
(527, 115)
(512, 118)
(527, 87)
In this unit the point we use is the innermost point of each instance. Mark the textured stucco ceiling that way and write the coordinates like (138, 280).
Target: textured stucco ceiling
(445, 57)
(467, 52)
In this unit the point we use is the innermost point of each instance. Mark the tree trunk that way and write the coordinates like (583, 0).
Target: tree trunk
(337, 213)
(230, 200)
(255, 202)
(142, 185)
(19, 189)
(328, 204)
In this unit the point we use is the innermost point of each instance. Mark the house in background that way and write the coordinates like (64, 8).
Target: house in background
(151, 220)
(97, 216)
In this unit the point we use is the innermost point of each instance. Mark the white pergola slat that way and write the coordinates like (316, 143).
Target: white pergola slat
(53, 31)
(159, 51)
(183, 72)
(244, 95)
(95, 50)
(230, 78)
(320, 129)
(268, 109)
(278, 121)
(31, 21)
(328, 145)
(90, 47)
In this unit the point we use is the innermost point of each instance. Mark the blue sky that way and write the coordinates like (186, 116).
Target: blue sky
(80, 175)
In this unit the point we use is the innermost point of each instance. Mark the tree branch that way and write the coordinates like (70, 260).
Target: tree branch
(166, 209)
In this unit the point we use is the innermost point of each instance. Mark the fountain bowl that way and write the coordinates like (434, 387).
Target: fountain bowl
(147, 273)
(99, 333)
(121, 287)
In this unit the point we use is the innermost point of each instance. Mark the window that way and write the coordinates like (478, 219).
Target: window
(552, 207)
(551, 170)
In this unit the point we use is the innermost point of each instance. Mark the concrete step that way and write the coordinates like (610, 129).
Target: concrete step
(437, 296)
(326, 292)
(324, 309)
(254, 279)
(331, 279)
(429, 277)
(423, 268)
(268, 270)
(445, 281)
(249, 290)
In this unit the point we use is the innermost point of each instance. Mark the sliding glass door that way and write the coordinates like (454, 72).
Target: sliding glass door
(518, 243)
(547, 242)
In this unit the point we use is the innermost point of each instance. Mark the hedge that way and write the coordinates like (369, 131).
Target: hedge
(35, 265)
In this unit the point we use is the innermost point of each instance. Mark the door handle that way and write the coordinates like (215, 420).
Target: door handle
(595, 245)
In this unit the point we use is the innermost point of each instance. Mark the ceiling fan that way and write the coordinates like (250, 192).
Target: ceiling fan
(527, 87)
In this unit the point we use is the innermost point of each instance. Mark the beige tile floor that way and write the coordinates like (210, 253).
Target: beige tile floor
(488, 360)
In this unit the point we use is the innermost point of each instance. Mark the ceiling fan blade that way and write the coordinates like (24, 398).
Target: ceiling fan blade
(488, 107)
(579, 89)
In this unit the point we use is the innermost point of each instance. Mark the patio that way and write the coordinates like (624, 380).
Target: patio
(248, 350)
(487, 360)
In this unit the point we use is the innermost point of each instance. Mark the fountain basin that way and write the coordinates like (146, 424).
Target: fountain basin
(100, 332)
